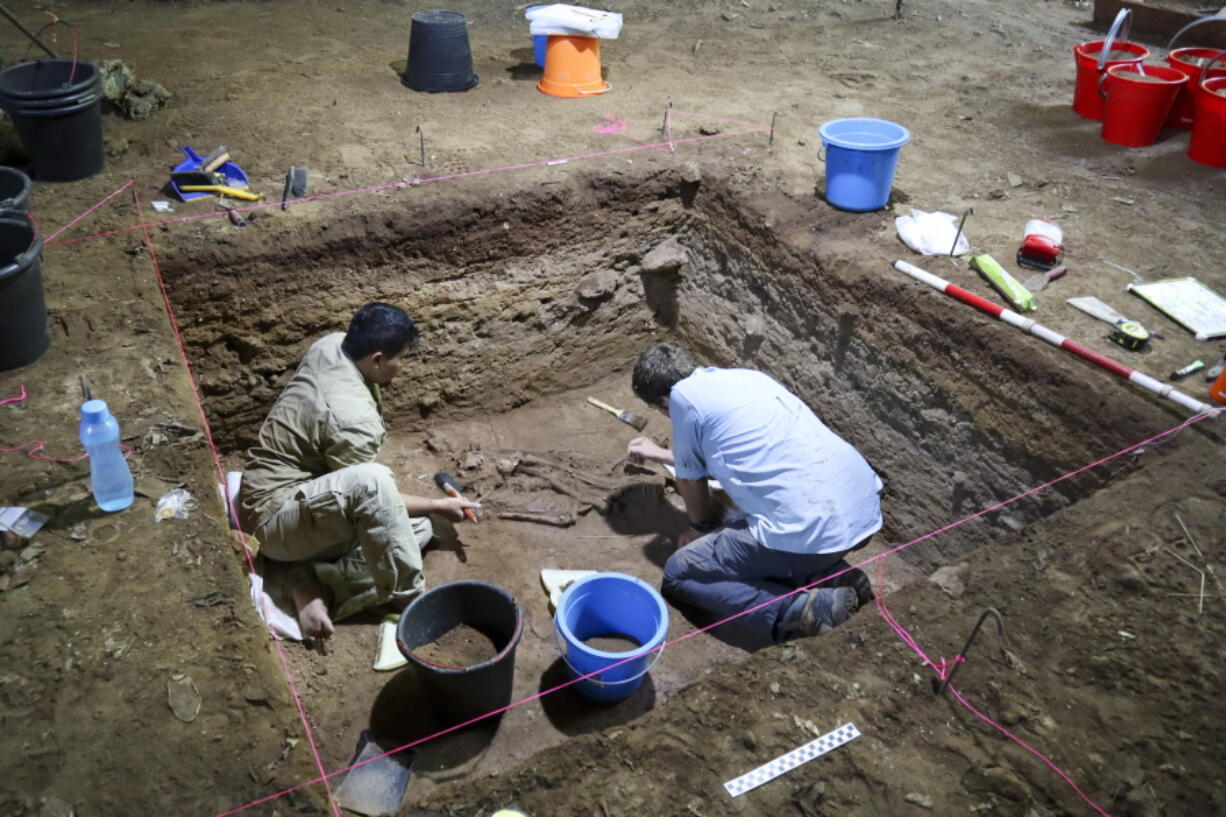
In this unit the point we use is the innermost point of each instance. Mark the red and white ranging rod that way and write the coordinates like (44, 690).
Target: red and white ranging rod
(1054, 338)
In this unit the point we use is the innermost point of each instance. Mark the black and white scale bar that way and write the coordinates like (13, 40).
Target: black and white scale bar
(785, 763)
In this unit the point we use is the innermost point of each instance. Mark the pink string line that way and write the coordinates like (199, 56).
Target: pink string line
(879, 557)
(187, 366)
(414, 183)
(1030, 749)
(16, 399)
(943, 669)
(112, 195)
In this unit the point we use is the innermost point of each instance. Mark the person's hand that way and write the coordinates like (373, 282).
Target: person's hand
(453, 507)
(642, 449)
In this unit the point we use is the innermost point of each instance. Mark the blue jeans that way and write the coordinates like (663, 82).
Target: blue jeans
(727, 571)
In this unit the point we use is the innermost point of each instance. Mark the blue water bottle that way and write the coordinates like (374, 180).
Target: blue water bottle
(109, 477)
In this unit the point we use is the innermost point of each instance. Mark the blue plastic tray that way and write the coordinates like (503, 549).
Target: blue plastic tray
(234, 174)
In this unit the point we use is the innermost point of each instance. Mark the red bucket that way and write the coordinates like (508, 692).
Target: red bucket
(1139, 99)
(1192, 62)
(1086, 99)
(1208, 144)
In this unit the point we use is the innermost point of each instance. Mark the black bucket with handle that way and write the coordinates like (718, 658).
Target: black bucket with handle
(56, 107)
(14, 190)
(23, 313)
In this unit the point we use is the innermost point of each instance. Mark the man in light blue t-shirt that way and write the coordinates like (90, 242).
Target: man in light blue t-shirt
(807, 497)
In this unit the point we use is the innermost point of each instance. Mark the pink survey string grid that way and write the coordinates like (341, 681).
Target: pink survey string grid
(669, 144)
(324, 777)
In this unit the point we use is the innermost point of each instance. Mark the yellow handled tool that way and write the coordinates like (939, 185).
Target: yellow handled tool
(232, 192)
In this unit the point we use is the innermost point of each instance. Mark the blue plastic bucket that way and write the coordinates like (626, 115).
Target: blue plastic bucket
(610, 604)
(539, 41)
(861, 155)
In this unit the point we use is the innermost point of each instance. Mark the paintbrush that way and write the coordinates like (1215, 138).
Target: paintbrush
(628, 417)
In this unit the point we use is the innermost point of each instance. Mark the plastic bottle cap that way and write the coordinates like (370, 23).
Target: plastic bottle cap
(93, 410)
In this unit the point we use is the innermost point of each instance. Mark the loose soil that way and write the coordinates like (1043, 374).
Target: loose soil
(612, 643)
(461, 646)
(531, 291)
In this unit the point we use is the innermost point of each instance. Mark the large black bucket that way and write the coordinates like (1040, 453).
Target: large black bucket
(463, 693)
(59, 122)
(23, 314)
(440, 59)
(14, 190)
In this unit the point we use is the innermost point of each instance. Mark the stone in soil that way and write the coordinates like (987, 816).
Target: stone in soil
(461, 646)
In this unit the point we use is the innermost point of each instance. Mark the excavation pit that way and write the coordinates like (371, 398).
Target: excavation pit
(529, 304)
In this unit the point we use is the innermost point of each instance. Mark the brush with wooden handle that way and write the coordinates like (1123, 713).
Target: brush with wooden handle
(628, 417)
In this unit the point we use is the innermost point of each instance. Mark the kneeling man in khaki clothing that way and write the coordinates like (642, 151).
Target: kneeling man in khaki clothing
(313, 494)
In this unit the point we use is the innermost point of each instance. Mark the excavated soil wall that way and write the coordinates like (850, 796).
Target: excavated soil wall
(556, 287)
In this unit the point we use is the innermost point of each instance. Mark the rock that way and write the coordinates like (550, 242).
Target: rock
(142, 99)
(666, 258)
(55, 807)
(1014, 180)
(597, 286)
(474, 460)
(951, 579)
(116, 77)
(429, 401)
(994, 780)
(916, 799)
(506, 467)
(690, 172)
(183, 697)
(775, 688)
(809, 799)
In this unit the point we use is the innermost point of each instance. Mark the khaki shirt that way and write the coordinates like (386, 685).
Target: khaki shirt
(326, 418)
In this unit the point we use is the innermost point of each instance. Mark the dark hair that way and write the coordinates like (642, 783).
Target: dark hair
(658, 369)
(379, 328)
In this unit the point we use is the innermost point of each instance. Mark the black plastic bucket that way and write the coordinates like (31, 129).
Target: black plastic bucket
(440, 59)
(59, 122)
(462, 693)
(14, 190)
(23, 313)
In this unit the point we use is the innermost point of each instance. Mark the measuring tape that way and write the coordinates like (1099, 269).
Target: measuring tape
(1131, 335)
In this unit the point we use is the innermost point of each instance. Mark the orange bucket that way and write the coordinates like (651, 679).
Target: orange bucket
(572, 67)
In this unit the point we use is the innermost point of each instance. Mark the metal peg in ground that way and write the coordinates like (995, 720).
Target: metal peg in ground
(628, 417)
(440, 58)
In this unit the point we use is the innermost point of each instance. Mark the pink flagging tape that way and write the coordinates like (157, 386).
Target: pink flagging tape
(411, 183)
(879, 557)
(16, 399)
(113, 194)
(208, 432)
(1063, 776)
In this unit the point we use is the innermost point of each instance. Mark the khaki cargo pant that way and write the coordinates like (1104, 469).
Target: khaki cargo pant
(352, 526)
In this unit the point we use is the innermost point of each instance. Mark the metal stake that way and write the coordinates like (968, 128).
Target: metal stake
(771, 142)
(1000, 630)
(422, 134)
(957, 235)
(23, 30)
(898, 10)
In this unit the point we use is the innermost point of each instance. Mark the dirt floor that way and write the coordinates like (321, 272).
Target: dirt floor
(535, 286)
